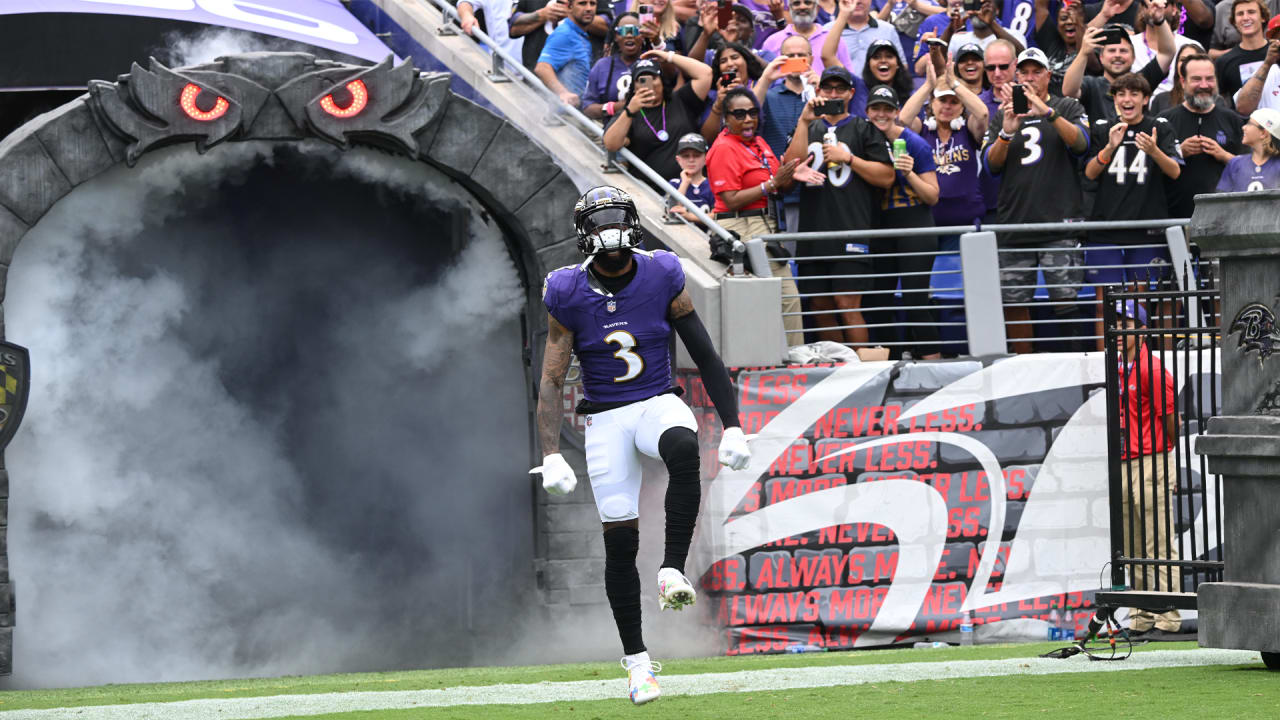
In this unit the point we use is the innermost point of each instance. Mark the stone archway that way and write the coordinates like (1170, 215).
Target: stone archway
(283, 98)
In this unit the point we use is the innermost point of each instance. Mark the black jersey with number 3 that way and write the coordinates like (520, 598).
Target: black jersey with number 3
(1132, 186)
(1040, 181)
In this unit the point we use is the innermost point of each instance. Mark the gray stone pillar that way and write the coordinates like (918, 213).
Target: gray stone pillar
(1242, 231)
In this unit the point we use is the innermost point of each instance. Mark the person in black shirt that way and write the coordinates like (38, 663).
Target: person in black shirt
(654, 118)
(1117, 59)
(1132, 157)
(1240, 62)
(1035, 153)
(1060, 39)
(857, 168)
(1208, 135)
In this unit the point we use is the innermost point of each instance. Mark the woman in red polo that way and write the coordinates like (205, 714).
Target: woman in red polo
(744, 172)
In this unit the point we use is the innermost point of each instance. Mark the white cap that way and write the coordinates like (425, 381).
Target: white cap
(943, 92)
(1269, 120)
(1035, 55)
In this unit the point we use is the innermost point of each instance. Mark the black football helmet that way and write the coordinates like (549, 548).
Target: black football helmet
(606, 219)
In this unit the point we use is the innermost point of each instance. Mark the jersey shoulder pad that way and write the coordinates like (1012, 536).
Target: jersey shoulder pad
(559, 278)
(669, 262)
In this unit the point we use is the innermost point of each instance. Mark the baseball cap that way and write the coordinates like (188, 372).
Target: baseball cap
(836, 72)
(645, 66)
(691, 141)
(745, 12)
(880, 45)
(1269, 120)
(882, 94)
(1273, 28)
(969, 49)
(1132, 310)
(1035, 55)
(943, 92)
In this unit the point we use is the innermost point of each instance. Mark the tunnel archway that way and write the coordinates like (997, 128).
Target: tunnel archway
(281, 101)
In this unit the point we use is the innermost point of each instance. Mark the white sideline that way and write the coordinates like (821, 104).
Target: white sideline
(616, 689)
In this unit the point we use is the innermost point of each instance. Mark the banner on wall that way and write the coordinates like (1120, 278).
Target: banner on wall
(886, 500)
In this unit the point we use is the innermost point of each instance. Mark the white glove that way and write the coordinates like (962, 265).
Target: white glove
(557, 476)
(734, 452)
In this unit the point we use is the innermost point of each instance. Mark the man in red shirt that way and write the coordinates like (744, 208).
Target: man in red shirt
(1150, 427)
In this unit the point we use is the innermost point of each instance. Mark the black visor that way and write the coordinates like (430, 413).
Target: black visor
(605, 218)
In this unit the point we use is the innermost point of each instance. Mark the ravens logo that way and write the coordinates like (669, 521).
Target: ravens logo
(1257, 327)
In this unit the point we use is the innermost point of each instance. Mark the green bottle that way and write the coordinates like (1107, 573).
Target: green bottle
(899, 148)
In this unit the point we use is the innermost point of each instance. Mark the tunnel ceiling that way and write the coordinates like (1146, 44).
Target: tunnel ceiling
(290, 97)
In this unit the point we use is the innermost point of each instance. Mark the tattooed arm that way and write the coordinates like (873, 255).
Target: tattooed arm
(555, 366)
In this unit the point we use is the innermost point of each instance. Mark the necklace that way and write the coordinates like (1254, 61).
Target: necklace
(660, 134)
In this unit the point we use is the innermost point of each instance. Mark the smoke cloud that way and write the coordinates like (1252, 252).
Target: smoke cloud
(277, 425)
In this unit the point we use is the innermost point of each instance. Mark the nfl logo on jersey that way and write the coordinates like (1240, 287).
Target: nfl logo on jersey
(611, 306)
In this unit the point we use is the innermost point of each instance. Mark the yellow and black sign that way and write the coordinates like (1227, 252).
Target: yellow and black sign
(15, 381)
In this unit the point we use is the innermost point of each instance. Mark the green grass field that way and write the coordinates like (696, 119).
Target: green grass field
(1218, 691)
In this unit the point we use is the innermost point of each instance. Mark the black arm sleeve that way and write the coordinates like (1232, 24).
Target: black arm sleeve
(714, 377)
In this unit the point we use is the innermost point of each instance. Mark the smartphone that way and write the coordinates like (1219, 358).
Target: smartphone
(646, 13)
(1020, 103)
(972, 5)
(831, 108)
(1112, 34)
(724, 13)
(728, 76)
(792, 66)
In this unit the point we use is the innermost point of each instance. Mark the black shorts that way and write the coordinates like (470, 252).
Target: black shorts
(853, 275)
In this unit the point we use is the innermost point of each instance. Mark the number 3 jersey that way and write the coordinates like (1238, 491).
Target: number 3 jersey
(622, 340)
(1039, 181)
(1132, 186)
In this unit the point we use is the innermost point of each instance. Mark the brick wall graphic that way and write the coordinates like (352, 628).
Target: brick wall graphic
(884, 500)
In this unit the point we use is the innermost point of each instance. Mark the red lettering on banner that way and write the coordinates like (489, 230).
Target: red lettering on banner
(1014, 479)
(966, 418)
(891, 415)
(886, 566)
(751, 502)
(876, 533)
(942, 573)
(942, 483)
(787, 489)
(727, 575)
(744, 382)
(793, 461)
(981, 489)
(755, 420)
(943, 600)
(835, 535)
(790, 541)
(857, 565)
(964, 522)
(921, 459)
(774, 608)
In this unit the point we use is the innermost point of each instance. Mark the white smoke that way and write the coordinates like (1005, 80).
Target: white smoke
(256, 448)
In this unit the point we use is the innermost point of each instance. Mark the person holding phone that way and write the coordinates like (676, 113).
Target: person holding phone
(610, 77)
(804, 14)
(745, 175)
(533, 21)
(655, 115)
(851, 157)
(1033, 144)
(658, 24)
(955, 127)
(856, 29)
(733, 66)
(565, 62)
(1115, 51)
(781, 104)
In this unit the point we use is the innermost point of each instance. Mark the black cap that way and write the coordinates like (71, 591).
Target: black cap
(880, 44)
(882, 94)
(744, 11)
(691, 141)
(645, 66)
(836, 72)
(969, 49)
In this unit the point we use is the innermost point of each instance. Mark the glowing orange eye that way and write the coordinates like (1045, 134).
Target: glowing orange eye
(188, 102)
(359, 98)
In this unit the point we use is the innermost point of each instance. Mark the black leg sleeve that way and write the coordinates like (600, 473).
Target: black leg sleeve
(714, 377)
(679, 450)
(622, 585)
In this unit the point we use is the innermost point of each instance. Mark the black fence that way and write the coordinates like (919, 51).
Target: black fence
(1163, 385)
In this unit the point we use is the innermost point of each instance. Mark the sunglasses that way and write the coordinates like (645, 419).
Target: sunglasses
(627, 30)
(994, 66)
(744, 113)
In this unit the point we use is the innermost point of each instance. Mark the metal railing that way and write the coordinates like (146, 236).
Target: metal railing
(1070, 315)
(507, 67)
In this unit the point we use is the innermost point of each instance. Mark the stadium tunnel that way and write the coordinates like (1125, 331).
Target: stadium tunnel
(273, 248)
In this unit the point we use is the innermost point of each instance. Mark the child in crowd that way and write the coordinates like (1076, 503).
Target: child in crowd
(691, 154)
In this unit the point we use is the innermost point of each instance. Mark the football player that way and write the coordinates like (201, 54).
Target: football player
(615, 311)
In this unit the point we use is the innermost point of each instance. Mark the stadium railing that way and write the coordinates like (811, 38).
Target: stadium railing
(965, 284)
(506, 68)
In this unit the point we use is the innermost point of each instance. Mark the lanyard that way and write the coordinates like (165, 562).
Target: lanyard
(660, 134)
(759, 158)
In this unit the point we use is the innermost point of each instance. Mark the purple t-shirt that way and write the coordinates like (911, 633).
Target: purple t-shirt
(960, 199)
(622, 341)
(609, 80)
(1242, 175)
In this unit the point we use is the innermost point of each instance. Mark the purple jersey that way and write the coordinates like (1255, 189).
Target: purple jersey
(622, 341)
(1241, 174)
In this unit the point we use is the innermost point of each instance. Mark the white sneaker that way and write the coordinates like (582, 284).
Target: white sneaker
(641, 684)
(674, 590)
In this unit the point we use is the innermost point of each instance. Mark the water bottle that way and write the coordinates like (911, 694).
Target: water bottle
(804, 648)
(1068, 625)
(829, 138)
(1055, 622)
(966, 628)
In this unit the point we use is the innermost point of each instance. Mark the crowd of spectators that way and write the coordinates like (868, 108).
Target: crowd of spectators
(824, 115)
